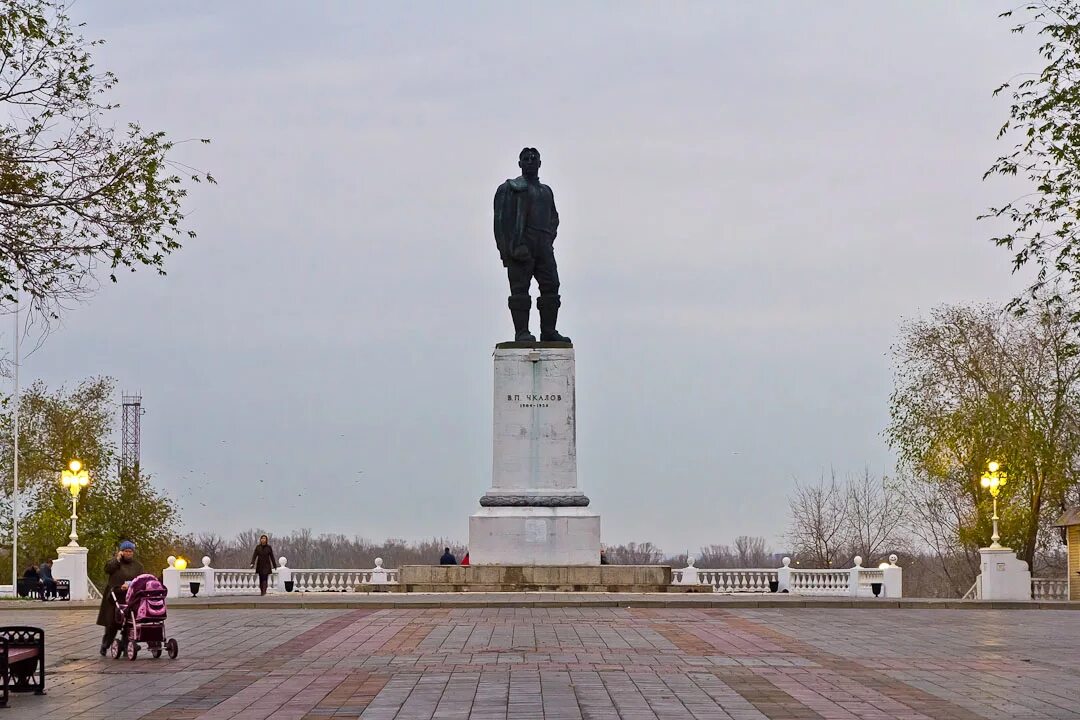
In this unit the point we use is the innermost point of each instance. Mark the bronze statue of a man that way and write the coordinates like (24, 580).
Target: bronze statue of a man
(526, 223)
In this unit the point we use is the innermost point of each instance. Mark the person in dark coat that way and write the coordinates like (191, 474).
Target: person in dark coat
(48, 584)
(264, 563)
(31, 580)
(120, 570)
(447, 558)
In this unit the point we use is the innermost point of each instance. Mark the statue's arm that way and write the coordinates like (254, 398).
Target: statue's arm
(501, 240)
(554, 217)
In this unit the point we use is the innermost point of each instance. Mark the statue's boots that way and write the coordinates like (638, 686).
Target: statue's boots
(520, 306)
(548, 305)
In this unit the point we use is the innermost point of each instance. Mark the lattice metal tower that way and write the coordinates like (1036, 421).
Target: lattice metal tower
(130, 442)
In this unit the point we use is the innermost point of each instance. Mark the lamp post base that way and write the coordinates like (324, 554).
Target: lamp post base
(71, 566)
(1003, 575)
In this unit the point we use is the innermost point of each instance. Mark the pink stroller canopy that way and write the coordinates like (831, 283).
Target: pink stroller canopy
(143, 583)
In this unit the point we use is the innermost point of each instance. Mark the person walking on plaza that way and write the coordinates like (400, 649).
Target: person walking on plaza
(263, 561)
(48, 585)
(119, 571)
(447, 558)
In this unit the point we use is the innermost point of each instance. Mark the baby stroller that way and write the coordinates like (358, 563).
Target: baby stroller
(141, 616)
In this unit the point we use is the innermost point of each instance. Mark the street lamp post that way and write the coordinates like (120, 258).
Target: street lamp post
(75, 478)
(993, 480)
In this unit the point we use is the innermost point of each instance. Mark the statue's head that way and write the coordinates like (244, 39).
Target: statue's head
(529, 161)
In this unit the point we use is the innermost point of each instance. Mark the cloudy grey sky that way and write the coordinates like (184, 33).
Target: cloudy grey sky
(753, 196)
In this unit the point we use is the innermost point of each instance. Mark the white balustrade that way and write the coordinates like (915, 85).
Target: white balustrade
(856, 581)
(1049, 588)
(245, 581)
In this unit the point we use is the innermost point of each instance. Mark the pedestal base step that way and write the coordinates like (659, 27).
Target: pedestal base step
(535, 578)
(553, 536)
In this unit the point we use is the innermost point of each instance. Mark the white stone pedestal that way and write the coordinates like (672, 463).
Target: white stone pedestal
(534, 513)
(70, 565)
(1003, 576)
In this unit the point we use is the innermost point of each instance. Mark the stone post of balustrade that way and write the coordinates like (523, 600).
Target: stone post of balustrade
(284, 572)
(783, 576)
(689, 573)
(208, 584)
(893, 585)
(378, 573)
(853, 577)
(170, 578)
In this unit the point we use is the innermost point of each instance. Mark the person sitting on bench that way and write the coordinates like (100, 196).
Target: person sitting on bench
(48, 585)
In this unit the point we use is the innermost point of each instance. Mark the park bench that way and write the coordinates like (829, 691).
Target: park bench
(36, 589)
(22, 660)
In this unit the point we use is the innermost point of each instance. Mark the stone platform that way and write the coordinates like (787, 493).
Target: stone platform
(565, 663)
(535, 578)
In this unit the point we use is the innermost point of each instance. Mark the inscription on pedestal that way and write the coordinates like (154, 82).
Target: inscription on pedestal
(533, 400)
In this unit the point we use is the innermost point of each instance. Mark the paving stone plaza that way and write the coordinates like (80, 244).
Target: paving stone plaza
(569, 662)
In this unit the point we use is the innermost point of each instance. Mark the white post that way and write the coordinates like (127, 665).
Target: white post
(170, 578)
(783, 577)
(208, 577)
(689, 573)
(893, 586)
(853, 577)
(378, 574)
(283, 573)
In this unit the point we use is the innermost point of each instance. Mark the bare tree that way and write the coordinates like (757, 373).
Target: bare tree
(875, 515)
(819, 521)
(751, 551)
(932, 515)
(716, 556)
(210, 544)
(634, 554)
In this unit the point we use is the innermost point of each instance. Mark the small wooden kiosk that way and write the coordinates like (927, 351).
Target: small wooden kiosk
(1071, 522)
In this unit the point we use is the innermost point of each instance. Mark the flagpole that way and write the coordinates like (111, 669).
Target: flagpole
(15, 462)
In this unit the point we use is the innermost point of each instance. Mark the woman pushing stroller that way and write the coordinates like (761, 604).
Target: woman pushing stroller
(120, 570)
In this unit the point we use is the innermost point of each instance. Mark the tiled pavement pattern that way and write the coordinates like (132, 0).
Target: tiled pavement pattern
(570, 663)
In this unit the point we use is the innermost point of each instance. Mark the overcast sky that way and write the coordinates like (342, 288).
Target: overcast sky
(753, 196)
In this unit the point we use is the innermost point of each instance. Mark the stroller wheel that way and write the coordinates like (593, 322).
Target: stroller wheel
(133, 651)
(155, 652)
(116, 650)
(172, 648)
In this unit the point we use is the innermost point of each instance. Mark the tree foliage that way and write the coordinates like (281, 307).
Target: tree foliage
(76, 193)
(1044, 125)
(975, 384)
(56, 426)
